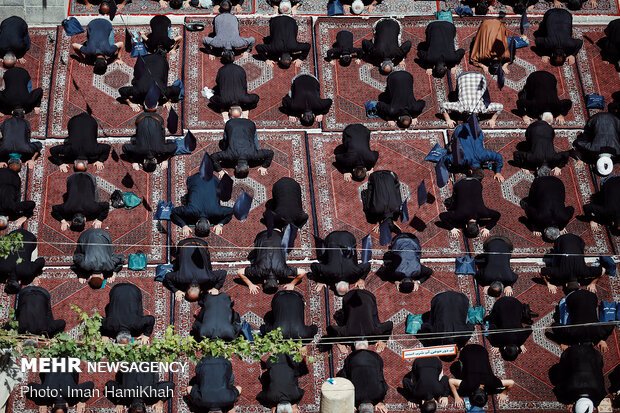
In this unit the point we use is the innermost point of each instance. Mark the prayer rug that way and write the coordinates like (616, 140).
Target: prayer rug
(597, 75)
(39, 62)
(604, 7)
(149, 8)
(533, 389)
(66, 290)
(351, 87)
(131, 230)
(338, 203)
(395, 306)
(252, 308)
(506, 197)
(386, 8)
(526, 62)
(99, 92)
(237, 237)
(271, 84)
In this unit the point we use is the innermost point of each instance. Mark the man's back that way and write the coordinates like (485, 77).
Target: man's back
(213, 388)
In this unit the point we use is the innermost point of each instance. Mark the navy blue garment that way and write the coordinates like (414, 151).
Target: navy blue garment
(467, 203)
(239, 143)
(268, 260)
(16, 139)
(556, 32)
(381, 200)
(213, 387)
(280, 382)
(34, 313)
(508, 314)
(288, 313)
(124, 312)
(494, 263)
(150, 140)
(14, 37)
(11, 203)
(192, 265)
(81, 198)
(365, 370)
(545, 206)
(448, 314)
(95, 254)
(439, 45)
(17, 93)
(231, 89)
(202, 203)
(217, 319)
(98, 40)
(338, 262)
(579, 373)
(474, 153)
(286, 204)
(398, 98)
(81, 143)
(402, 260)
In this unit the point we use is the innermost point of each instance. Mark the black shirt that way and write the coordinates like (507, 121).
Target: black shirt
(467, 203)
(582, 306)
(382, 199)
(215, 385)
(360, 317)
(494, 263)
(280, 382)
(439, 48)
(339, 260)
(448, 314)
(286, 204)
(398, 98)
(355, 149)
(217, 319)
(192, 265)
(159, 36)
(476, 371)
(343, 46)
(81, 197)
(305, 96)
(365, 370)
(239, 143)
(545, 204)
(579, 373)
(288, 313)
(125, 312)
(268, 259)
(540, 95)
(14, 37)
(507, 314)
(425, 383)
(555, 32)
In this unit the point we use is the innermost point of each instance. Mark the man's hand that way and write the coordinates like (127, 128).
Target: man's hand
(292, 119)
(143, 339)
(348, 176)
(594, 4)
(217, 230)
(221, 174)
(443, 402)
(545, 59)
(163, 4)
(537, 233)
(594, 226)
(508, 291)
(552, 288)
(381, 345)
(371, 8)
(563, 231)
(556, 171)
(99, 165)
(561, 120)
(523, 348)
(211, 56)
(485, 69)
(96, 224)
(298, 62)
(455, 232)
(179, 295)
(120, 408)
(602, 346)
(429, 72)
(186, 230)
(238, 8)
(484, 232)
(319, 118)
(289, 286)
(245, 54)
(414, 121)
(458, 402)
(391, 123)
(319, 287)
(214, 291)
(570, 60)
(416, 286)
(3, 164)
(499, 177)
(262, 171)
(135, 166)
(270, 63)
(134, 106)
(591, 287)
(491, 122)
(333, 62)
(485, 289)
(159, 407)
(557, 4)
(167, 105)
(64, 225)
(502, 397)
(111, 279)
(361, 284)
(30, 164)
(451, 123)
(88, 6)
(495, 351)
(527, 120)
(253, 288)
(342, 348)
(380, 407)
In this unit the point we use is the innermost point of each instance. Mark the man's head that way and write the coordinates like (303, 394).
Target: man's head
(604, 164)
(228, 56)
(543, 171)
(12, 287)
(429, 406)
(235, 111)
(78, 222)
(100, 66)
(440, 69)
(9, 59)
(342, 288)
(137, 406)
(242, 169)
(477, 173)
(18, 113)
(225, 6)
(95, 281)
(558, 57)
(357, 7)
(495, 289)
(4, 222)
(572, 286)
(366, 408)
(284, 407)
(482, 8)
(285, 60)
(193, 292)
(203, 228)
(573, 5)
(358, 174)
(285, 7)
(387, 66)
(406, 285)
(345, 60)
(15, 164)
(552, 233)
(60, 406)
(583, 405)
(123, 337)
(361, 345)
(175, 4)
(494, 67)
(472, 229)
(519, 7)
(547, 117)
(307, 118)
(149, 164)
(510, 352)
(104, 8)
(80, 165)
(404, 121)
(479, 398)
(270, 286)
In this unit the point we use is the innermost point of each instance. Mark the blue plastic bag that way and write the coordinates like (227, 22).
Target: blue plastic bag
(464, 11)
(594, 101)
(519, 42)
(445, 15)
(607, 311)
(72, 26)
(414, 323)
(246, 330)
(334, 8)
(137, 261)
(161, 270)
(436, 154)
(179, 83)
(475, 315)
(465, 265)
(371, 109)
(164, 209)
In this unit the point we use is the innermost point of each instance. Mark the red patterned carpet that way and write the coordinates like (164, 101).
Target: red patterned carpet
(526, 62)
(238, 237)
(506, 197)
(252, 308)
(350, 87)
(149, 8)
(66, 291)
(339, 205)
(39, 63)
(100, 92)
(131, 230)
(271, 84)
(606, 7)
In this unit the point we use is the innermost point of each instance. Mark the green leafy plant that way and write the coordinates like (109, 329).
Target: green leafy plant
(171, 347)
(10, 243)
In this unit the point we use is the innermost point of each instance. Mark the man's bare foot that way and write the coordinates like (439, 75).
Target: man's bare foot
(135, 166)
(342, 348)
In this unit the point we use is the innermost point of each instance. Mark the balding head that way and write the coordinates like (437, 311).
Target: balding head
(342, 288)
(9, 59)
(193, 292)
(547, 117)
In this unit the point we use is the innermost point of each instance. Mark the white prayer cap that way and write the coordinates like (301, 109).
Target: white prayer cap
(584, 405)
(604, 165)
(342, 288)
(357, 7)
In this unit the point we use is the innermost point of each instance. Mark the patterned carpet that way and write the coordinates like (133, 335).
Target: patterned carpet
(332, 203)
(606, 7)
